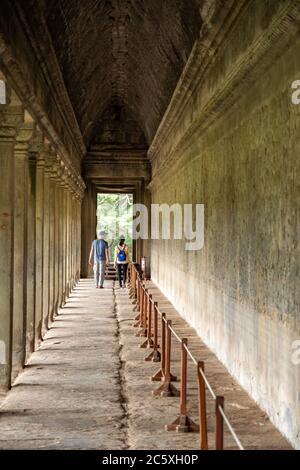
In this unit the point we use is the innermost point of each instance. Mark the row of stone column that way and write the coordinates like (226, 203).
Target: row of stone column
(40, 237)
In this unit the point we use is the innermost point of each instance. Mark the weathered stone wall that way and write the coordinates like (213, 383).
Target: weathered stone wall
(235, 148)
(29, 63)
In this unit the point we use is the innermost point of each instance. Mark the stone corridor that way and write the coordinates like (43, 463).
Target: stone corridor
(191, 108)
(87, 386)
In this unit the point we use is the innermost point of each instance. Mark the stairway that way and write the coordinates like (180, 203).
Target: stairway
(110, 272)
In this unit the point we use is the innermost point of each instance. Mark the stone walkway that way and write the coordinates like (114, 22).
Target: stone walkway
(88, 387)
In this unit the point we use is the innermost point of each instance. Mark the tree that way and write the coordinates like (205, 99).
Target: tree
(114, 215)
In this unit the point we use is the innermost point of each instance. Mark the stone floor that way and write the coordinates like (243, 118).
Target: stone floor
(88, 387)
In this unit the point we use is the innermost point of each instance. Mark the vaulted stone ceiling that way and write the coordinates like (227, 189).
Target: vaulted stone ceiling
(125, 53)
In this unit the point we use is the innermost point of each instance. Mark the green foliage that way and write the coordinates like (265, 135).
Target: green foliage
(114, 215)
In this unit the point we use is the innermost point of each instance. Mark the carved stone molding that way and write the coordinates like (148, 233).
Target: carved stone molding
(51, 68)
(17, 80)
(24, 134)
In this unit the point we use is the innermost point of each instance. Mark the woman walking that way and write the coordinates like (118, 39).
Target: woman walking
(121, 260)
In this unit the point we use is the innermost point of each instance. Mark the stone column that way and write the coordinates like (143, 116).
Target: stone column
(146, 244)
(68, 247)
(66, 196)
(78, 234)
(88, 227)
(75, 233)
(52, 246)
(80, 228)
(72, 240)
(24, 133)
(138, 245)
(85, 234)
(46, 242)
(61, 237)
(30, 278)
(56, 241)
(39, 231)
(7, 142)
(75, 236)
(64, 251)
(77, 211)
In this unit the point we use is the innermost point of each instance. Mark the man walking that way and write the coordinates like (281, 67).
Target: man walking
(99, 249)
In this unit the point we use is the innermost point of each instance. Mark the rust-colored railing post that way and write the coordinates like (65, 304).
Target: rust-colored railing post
(138, 302)
(148, 343)
(129, 285)
(183, 377)
(144, 326)
(132, 283)
(167, 389)
(183, 423)
(161, 372)
(149, 326)
(219, 424)
(141, 307)
(143, 322)
(202, 407)
(137, 285)
(154, 356)
(156, 353)
(142, 302)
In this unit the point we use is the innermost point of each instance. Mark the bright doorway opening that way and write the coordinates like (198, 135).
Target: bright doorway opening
(114, 216)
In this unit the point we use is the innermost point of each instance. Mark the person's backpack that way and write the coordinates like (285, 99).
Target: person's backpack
(121, 254)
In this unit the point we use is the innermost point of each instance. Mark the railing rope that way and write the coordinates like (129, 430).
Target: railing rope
(140, 321)
(219, 423)
(154, 356)
(230, 428)
(148, 343)
(143, 321)
(183, 422)
(138, 302)
(133, 284)
(145, 304)
(167, 389)
(159, 375)
(202, 407)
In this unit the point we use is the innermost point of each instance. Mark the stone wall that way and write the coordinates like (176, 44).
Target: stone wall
(29, 63)
(230, 140)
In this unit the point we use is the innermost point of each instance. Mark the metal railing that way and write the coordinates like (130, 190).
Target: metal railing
(146, 320)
